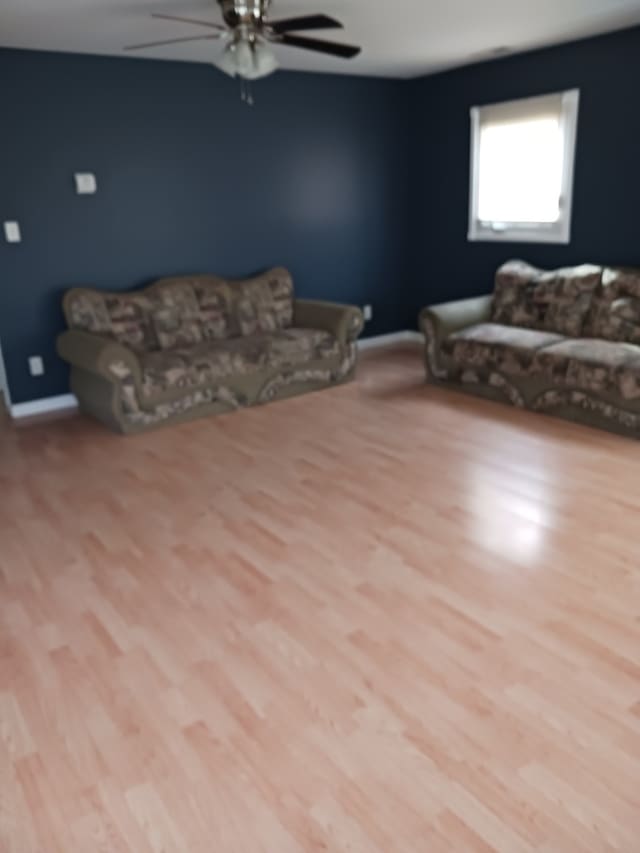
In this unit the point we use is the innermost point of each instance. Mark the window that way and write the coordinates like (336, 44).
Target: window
(522, 156)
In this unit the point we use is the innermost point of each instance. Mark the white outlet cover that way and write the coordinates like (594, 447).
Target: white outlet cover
(368, 312)
(36, 365)
(86, 183)
(12, 232)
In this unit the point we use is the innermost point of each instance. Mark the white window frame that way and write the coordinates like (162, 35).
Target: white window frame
(534, 232)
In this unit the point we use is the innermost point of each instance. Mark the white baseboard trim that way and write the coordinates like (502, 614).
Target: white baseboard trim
(65, 402)
(392, 338)
(43, 406)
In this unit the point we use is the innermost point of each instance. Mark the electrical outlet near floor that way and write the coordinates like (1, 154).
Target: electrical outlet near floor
(368, 313)
(36, 365)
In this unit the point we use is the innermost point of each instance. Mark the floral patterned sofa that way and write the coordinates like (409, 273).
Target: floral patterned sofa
(565, 342)
(185, 347)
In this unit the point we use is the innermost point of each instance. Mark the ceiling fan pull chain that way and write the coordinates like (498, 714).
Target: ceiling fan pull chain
(246, 94)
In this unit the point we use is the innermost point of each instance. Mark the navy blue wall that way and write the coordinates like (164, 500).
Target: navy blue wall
(190, 179)
(606, 222)
(359, 186)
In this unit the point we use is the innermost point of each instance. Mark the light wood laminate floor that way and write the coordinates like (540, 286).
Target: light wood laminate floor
(383, 618)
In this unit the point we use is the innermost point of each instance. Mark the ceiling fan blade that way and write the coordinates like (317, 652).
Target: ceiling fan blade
(346, 51)
(170, 41)
(306, 22)
(188, 21)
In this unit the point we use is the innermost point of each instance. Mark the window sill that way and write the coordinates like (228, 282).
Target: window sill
(519, 235)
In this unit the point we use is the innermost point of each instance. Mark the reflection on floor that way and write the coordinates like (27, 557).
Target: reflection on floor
(383, 617)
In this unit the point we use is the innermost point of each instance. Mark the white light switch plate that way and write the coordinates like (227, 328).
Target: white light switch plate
(367, 312)
(86, 183)
(36, 365)
(12, 232)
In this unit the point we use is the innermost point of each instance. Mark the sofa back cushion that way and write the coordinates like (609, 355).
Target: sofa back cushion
(567, 295)
(615, 312)
(215, 305)
(184, 311)
(131, 322)
(556, 301)
(175, 314)
(125, 317)
(513, 302)
(264, 303)
(230, 309)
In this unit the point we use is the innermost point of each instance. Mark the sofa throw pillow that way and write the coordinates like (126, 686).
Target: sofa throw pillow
(176, 317)
(513, 302)
(566, 296)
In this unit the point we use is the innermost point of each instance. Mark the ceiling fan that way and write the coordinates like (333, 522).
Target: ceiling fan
(248, 34)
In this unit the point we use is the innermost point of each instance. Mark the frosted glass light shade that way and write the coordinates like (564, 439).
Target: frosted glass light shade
(226, 62)
(244, 58)
(250, 60)
(264, 60)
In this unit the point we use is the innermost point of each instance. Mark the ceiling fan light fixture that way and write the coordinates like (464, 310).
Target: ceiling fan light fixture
(226, 62)
(250, 59)
(249, 32)
(264, 59)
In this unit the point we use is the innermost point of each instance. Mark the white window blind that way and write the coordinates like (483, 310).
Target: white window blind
(522, 169)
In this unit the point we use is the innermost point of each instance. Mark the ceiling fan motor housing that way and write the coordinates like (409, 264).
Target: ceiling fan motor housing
(244, 13)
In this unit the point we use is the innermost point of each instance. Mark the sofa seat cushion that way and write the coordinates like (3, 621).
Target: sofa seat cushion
(213, 362)
(509, 349)
(590, 364)
(292, 347)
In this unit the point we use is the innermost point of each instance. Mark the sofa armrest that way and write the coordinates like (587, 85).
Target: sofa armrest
(96, 354)
(439, 321)
(344, 321)
(448, 317)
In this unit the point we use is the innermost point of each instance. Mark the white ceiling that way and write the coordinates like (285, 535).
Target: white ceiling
(400, 38)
